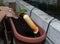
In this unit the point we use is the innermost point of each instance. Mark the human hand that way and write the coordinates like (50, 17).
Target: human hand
(6, 11)
(2, 15)
(5, 8)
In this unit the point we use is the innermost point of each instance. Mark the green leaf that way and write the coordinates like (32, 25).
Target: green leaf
(22, 11)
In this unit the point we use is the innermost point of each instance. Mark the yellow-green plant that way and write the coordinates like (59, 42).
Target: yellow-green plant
(22, 11)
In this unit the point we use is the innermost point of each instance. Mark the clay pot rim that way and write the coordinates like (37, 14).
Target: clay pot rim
(27, 39)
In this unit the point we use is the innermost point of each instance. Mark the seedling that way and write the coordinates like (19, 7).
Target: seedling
(22, 11)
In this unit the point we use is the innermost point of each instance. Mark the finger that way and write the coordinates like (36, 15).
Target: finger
(15, 17)
(11, 15)
(2, 15)
(11, 9)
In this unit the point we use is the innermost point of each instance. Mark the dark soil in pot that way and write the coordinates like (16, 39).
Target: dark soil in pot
(23, 28)
(24, 37)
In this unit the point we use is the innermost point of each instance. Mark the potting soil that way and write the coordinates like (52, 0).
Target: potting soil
(23, 28)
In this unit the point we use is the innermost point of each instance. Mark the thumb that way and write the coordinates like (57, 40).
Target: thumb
(14, 16)
(10, 15)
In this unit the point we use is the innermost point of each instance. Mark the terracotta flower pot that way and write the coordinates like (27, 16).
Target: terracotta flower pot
(20, 39)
